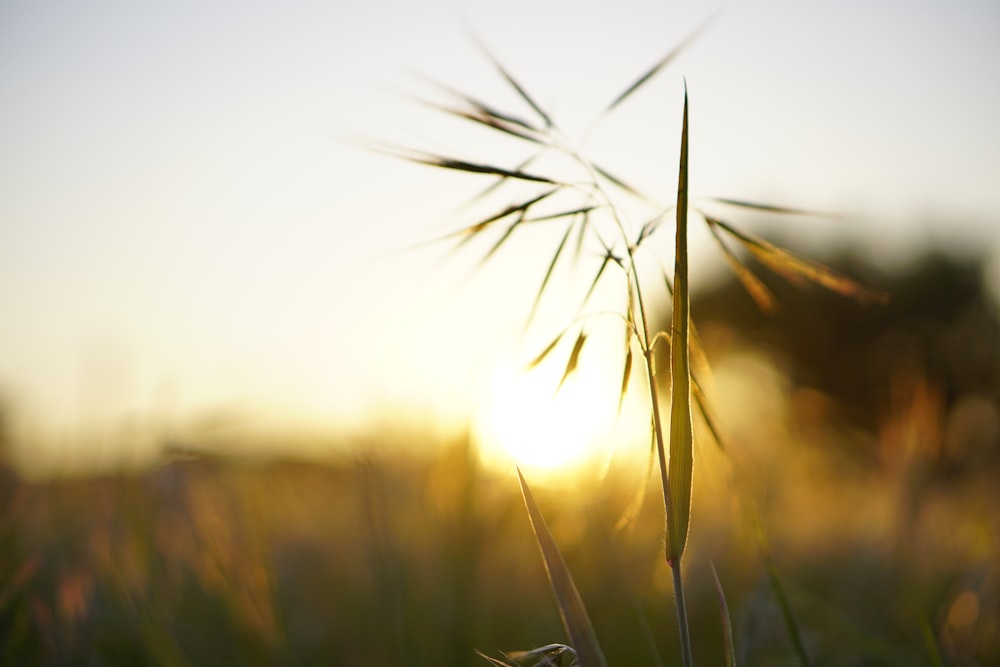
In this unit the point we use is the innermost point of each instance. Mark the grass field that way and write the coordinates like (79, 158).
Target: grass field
(883, 532)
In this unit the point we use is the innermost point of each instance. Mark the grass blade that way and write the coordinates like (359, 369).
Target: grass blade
(681, 432)
(503, 238)
(707, 415)
(492, 187)
(759, 292)
(778, 588)
(794, 268)
(769, 208)
(548, 276)
(481, 107)
(626, 374)
(561, 214)
(544, 353)
(489, 121)
(607, 259)
(574, 615)
(631, 512)
(727, 623)
(469, 167)
(574, 359)
(467, 233)
(617, 182)
(655, 69)
(518, 88)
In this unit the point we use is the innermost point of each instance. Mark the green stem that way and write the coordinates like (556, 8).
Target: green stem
(682, 618)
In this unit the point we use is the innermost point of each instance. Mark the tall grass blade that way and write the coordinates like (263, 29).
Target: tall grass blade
(727, 623)
(655, 69)
(697, 354)
(681, 432)
(574, 615)
(574, 359)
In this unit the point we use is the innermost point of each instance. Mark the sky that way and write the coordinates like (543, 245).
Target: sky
(190, 226)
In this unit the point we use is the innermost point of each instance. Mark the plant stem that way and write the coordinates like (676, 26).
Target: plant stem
(682, 618)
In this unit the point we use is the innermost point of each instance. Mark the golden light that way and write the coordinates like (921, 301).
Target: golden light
(529, 418)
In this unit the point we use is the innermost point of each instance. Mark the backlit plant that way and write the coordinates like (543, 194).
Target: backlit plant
(586, 212)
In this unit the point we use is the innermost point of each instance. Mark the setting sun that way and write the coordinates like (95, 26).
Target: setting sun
(527, 418)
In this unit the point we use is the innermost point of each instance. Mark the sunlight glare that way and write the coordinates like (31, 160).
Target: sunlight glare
(527, 419)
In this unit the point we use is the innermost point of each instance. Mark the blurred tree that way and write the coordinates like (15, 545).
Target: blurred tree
(941, 324)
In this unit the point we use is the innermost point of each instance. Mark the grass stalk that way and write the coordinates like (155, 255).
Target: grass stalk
(578, 204)
(677, 485)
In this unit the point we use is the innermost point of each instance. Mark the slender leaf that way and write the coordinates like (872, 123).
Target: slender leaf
(549, 655)
(467, 233)
(769, 208)
(518, 88)
(544, 353)
(574, 358)
(727, 624)
(655, 69)
(631, 512)
(759, 292)
(548, 275)
(681, 432)
(561, 214)
(574, 615)
(706, 412)
(493, 661)
(608, 258)
(482, 107)
(503, 238)
(626, 374)
(492, 187)
(489, 121)
(778, 588)
(469, 167)
(795, 268)
(617, 182)
(581, 237)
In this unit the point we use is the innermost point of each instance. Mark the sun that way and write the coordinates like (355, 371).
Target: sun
(529, 417)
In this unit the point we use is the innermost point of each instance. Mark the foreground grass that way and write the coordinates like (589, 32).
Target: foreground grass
(378, 561)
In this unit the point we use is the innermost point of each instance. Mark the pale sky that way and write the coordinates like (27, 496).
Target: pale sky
(187, 226)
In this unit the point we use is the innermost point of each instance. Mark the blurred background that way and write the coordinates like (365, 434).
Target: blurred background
(248, 415)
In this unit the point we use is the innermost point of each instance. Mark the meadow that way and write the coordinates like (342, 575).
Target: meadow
(819, 484)
(879, 509)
